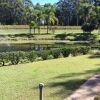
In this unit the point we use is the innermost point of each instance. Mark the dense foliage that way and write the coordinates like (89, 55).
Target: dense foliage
(17, 57)
(15, 11)
(64, 12)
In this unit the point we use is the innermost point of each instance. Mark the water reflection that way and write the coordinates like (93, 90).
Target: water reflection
(26, 47)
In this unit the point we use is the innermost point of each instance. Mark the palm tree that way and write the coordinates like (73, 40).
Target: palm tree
(51, 19)
(98, 17)
(33, 25)
(40, 18)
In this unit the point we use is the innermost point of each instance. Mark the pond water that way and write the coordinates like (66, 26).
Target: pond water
(32, 46)
(28, 46)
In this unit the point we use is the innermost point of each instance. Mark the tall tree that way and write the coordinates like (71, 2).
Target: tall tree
(14, 11)
(50, 16)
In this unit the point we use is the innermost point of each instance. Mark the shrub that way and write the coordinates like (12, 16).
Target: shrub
(23, 58)
(75, 51)
(50, 57)
(44, 54)
(61, 36)
(84, 50)
(66, 52)
(31, 56)
(56, 53)
(14, 57)
(39, 59)
(4, 57)
(88, 27)
(61, 55)
(85, 37)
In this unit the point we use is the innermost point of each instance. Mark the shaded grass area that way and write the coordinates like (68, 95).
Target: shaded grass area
(60, 76)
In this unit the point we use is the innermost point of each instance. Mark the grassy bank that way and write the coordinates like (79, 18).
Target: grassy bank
(18, 29)
(61, 77)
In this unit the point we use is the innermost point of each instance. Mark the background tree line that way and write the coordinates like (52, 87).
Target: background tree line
(64, 12)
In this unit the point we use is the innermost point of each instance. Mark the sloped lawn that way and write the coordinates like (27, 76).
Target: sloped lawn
(61, 77)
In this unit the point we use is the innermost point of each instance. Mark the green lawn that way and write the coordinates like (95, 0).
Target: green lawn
(24, 38)
(19, 31)
(60, 76)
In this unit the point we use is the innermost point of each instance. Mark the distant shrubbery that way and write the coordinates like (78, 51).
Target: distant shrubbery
(13, 58)
(88, 27)
(61, 36)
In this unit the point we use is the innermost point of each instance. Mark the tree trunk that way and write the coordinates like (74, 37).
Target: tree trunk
(68, 21)
(53, 29)
(98, 29)
(3, 63)
(77, 20)
(34, 30)
(48, 25)
(39, 29)
(47, 29)
(39, 26)
(30, 29)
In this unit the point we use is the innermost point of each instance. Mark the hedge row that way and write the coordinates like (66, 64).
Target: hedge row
(17, 57)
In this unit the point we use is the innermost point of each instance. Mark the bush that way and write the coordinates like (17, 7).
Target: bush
(61, 55)
(4, 58)
(75, 51)
(61, 36)
(39, 59)
(31, 56)
(88, 27)
(14, 57)
(84, 50)
(44, 54)
(50, 57)
(85, 37)
(66, 52)
(56, 53)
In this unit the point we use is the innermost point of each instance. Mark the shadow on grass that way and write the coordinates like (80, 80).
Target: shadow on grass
(17, 35)
(68, 75)
(69, 86)
(96, 71)
(94, 56)
(65, 84)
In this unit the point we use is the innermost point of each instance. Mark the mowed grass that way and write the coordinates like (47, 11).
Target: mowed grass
(19, 31)
(60, 76)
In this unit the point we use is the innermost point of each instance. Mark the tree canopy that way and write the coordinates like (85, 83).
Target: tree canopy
(64, 12)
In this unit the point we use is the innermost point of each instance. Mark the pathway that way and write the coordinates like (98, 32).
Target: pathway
(88, 90)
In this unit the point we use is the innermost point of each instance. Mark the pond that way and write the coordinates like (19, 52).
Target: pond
(28, 46)
(37, 47)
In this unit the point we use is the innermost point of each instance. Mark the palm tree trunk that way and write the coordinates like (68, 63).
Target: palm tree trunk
(39, 26)
(39, 29)
(30, 29)
(47, 28)
(34, 30)
(98, 29)
(78, 2)
(48, 25)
